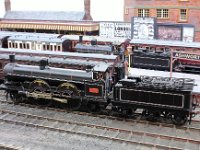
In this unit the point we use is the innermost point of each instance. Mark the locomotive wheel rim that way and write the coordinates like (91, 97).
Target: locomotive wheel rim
(40, 87)
(68, 90)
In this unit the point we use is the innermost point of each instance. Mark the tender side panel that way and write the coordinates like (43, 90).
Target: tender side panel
(152, 98)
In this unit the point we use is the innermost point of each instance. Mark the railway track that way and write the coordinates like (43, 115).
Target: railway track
(96, 131)
(195, 125)
(6, 147)
(193, 128)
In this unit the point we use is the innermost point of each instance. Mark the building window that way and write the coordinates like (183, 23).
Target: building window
(143, 12)
(162, 13)
(183, 14)
(126, 11)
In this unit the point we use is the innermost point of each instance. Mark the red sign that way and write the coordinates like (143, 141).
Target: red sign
(94, 90)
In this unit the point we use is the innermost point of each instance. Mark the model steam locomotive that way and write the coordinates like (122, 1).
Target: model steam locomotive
(147, 59)
(98, 86)
(68, 60)
(157, 55)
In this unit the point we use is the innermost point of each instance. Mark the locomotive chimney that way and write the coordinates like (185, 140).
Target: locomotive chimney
(43, 64)
(12, 58)
(7, 5)
(87, 10)
(80, 39)
(94, 42)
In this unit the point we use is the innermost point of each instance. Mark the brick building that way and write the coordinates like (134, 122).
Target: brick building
(166, 11)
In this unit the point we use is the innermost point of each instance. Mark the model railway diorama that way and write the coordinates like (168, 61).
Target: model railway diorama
(80, 75)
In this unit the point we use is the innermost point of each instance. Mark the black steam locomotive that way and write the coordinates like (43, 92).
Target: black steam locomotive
(160, 54)
(99, 86)
(146, 59)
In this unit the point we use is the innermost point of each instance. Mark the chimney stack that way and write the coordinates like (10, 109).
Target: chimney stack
(87, 10)
(7, 5)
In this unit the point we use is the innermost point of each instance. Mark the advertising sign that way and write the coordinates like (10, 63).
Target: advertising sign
(186, 56)
(122, 30)
(188, 34)
(115, 29)
(143, 27)
(169, 33)
(106, 29)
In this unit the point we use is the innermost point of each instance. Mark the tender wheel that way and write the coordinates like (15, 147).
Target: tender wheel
(69, 92)
(151, 115)
(42, 88)
(12, 95)
(179, 119)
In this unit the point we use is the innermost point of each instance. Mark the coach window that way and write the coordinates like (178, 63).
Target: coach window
(16, 45)
(58, 47)
(44, 47)
(9, 45)
(51, 47)
(20, 45)
(73, 44)
(48, 47)
(55, 48)
(24, 45)
(27, 45)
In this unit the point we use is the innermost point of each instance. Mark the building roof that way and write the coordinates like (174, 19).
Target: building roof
(45, 15)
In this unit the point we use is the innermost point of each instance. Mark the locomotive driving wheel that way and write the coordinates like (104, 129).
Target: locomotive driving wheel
(40, 90)
(70, 93)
